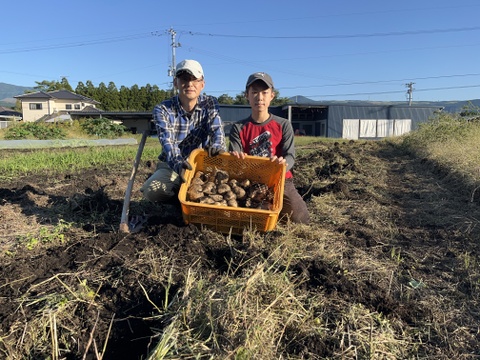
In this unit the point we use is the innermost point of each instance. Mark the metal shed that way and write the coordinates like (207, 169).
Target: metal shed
(357, 121)
(379, 118)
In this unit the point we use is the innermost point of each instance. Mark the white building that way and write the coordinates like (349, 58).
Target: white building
(46, 104)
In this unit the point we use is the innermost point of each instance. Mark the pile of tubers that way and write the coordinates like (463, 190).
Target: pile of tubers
(218, 189)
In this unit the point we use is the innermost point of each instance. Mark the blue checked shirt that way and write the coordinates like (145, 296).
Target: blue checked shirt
(180, 134)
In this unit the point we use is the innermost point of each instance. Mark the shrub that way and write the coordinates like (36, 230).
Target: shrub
(102, 127)
(40, 131)
(442, 128)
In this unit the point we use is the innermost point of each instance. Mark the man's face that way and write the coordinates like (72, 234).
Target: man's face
(189, 87)
(260, 96)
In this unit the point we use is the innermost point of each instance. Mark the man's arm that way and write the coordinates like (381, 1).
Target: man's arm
(164, 122)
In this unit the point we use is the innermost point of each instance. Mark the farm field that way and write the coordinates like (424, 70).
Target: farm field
(388, 268)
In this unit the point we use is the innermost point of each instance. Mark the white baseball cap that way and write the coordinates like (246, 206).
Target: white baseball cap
(191, 66)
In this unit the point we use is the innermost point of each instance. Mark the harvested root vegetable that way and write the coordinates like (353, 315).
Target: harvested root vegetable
(216, 188)
(216, 197)
(229, 195)
(245, 183)
(206, 200)
(223, 188)
(232, 203)
(209, 188)
(239, 192)
(195, 192)
(197, 181)
(221, 177)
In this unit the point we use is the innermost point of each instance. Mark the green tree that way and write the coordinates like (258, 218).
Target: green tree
(53, 85)
(91, 90)
(278, 100)
(45, 85)
(64, 85)
(240, 99)
(124, 98)
(112, 98)
(101, 95)
(81, 89)
(156, 97)
(225, 99)
(135, 101)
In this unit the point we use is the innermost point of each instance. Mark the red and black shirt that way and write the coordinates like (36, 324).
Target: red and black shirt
(272, 137)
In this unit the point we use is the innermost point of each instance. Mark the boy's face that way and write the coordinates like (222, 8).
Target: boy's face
(259, 96)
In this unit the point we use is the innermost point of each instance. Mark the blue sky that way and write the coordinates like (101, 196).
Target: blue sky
(324, 50)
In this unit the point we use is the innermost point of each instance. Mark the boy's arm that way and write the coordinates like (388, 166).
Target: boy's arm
(234, 138)
(288, 144)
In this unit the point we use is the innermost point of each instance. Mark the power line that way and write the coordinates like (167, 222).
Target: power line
(395, 92)
(80, 43)
(159, 33)
(381, 81)
(345, 36)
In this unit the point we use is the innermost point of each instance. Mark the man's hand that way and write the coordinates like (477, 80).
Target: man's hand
(185, 166)
(212, 151)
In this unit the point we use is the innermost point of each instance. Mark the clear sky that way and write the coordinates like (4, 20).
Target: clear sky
(324, 50)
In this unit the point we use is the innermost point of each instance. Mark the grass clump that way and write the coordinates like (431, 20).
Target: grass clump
(449, 143)
(40, 131)
(52, 161)
(77, 129)
(102, 128)
(46, 236)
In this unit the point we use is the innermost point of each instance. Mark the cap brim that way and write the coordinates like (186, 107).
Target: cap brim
(262, 80)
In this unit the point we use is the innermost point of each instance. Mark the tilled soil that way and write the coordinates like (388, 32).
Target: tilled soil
(109, 288)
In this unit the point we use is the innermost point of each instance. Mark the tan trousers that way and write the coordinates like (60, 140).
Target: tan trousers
(163, 185)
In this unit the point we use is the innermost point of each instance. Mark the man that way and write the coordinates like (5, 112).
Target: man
(264, 134)
(187, 121)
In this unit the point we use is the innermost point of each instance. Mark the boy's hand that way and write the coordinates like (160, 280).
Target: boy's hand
(238, 154)
(279, 160)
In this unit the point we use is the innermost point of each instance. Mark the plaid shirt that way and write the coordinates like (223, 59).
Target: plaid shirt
(180, 134)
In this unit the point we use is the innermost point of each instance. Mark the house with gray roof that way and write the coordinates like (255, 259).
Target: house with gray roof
(7, 115)
(50, 104)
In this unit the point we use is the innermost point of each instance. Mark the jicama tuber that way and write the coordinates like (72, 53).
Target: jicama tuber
(217, 189)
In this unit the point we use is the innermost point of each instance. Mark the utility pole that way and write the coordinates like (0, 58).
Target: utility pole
(172, 67)
(410, 92)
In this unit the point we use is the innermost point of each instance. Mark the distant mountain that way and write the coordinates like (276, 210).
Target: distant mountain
(8, 101)
(8, 91)
(449, 106)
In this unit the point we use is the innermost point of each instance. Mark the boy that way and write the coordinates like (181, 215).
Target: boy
(264, 134)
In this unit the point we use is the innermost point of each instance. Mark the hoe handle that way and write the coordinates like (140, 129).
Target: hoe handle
(128, 193)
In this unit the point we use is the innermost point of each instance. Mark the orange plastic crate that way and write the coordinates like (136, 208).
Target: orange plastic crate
(226, 219)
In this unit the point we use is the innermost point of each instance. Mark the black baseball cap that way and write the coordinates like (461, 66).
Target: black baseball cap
(267, 79)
